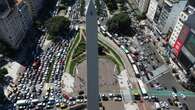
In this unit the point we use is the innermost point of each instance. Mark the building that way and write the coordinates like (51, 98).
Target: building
(154, 10)
(184, 46)
(191, 3)
(142, 5)
(34, 6)
(4, 8)
(180, 23)
(14, 23)
(168, 15)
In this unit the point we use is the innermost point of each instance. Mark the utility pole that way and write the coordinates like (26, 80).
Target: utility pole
(92, 58)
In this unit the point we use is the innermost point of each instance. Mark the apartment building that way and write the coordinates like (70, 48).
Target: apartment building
(169, 14)
(189, 10)
(14, 22)
(142, 5)
(34, 6)
(154, 10)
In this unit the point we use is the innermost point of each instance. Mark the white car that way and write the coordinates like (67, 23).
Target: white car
(183, 96)
(174, 95)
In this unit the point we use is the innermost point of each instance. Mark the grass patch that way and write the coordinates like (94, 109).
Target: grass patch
(111, 54)
(71, 51)
(50, 70)
(80, 48)
(77, 54)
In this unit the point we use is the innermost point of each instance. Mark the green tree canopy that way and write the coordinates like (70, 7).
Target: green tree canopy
(98, 7)
(111, 4)
(82, 7)
(3, 72)
(120, 24)
(57, 26)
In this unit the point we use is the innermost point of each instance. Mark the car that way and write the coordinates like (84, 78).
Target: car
(72, 98)
(63, 106)
(117, 99)
(111, 95)
(179, 105)
(78, 100)
(57, 104)
(185, 106)
(174, 95)
(183, 96)
(174, 89)
(105, 98)
(49, 106)
(170, 101)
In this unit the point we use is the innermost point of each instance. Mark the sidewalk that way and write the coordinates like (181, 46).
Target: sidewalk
(125, 91)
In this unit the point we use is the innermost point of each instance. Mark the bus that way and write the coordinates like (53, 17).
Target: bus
(102, 28)
(142, 87)
(130, 59)
(109, 35)
(98, 22)
(124, 49)
(116, 41)
(137, 74)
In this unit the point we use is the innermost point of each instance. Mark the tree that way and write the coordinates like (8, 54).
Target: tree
(6, 49)
(98, 7)
(3, 72)
(57, 26)
(82, 7)
(120, 24)
(45, 12)
(111, 4)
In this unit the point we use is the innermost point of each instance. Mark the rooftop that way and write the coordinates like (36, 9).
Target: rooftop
(18, 2)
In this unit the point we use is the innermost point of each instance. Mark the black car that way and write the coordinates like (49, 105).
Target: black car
(105, 98)
(185, 106)
(174, 89)
(170, 101)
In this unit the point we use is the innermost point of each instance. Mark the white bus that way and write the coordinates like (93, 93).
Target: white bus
(142, 87)
(130, 59)
(98, 22)
(102, 29)
(109, 35)
(137, 74)
(124, 49)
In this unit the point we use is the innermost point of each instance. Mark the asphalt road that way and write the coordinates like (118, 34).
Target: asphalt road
(169, 81)
(123, 56)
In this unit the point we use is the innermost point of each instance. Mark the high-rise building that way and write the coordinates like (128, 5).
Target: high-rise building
(34, 6)
(169, 14)
(142, 5)
(4, 8)
(184, 45)
(154, 10)
(14, 23)
(180, 23)
(191, 3)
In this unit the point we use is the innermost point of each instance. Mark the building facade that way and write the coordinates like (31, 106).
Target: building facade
(154, 10)
(14, 25)
(34, 6)
(184, 46)
(180, 23)
(169, 15)
(142, 5)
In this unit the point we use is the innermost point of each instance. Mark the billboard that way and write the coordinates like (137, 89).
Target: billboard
(177, 46)
(181, 39)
